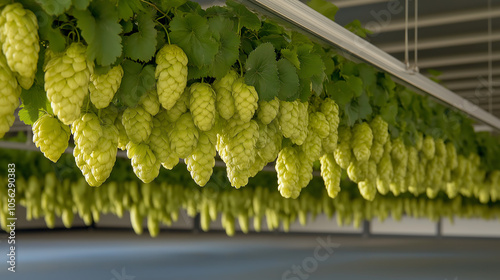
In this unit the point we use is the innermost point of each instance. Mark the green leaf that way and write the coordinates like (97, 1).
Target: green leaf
(52, 7)
(229, 43)
(389, 112)
(310, 63)
(81, 4)
(324, 7)
(379, 95)
(34, 102)
(351, 111)
(169, 4)
(100, 29)
(386, 81)
(191, 32)
(135, 82)
(57, 41)
(368, 74)
(289, 80)
(245, 17)
(279, 42)
(292, 56)
(356, 28)
(349, 68)
(365, 109)
(405, 97)
(141, 45)
(191, 7)
(355, 84)
(262, 71)
(127, 8)
(305, 89)
(340, 92)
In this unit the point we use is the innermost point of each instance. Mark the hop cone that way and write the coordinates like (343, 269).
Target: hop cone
(223, 88)
(150, 103)
(137, 123)
(202, 105)
(146, 166)
(343, 152)
(171, 73)
(201, 162)
(9, 96)
(268, 110)
(330, 171)
(429, 147)
(245, 99)
(20, 44)
(51, 136)
(183, 136)
(180, 107)
(287, 167)
(380, 130)
(87, 131)
(103, 87)
(103, 157)
(67, 78)
(362, 140)
(331, 111)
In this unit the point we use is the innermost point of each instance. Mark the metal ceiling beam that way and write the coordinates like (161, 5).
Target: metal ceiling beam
(354, 3)
(436, 62)
(442, 42)
(305, 18)
(440, 19)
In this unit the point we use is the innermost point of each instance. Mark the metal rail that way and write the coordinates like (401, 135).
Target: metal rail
(305, 18)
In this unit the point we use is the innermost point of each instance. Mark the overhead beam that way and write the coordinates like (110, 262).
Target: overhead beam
(461, 59)
(388, 25)
(442, 42)
(312, 22)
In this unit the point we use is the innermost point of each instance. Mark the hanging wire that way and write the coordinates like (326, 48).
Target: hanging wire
(407, 56)
(415, 65)
(490, 61)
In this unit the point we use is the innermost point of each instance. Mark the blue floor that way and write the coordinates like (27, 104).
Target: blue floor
(119, 255)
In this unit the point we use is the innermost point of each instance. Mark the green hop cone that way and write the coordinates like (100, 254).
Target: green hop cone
(237, 143)
(429, 147)
(287, 167)
(145, 165)
(245, 99)
(137, 123)
(9, 96)
(368, 188)
(268, 110)
(86, 132)
(67, 78)
(223, 88)
(330, 172)
(103, 87)
(331, 111)
(102, 159)
(122, 133)
(171, 74)
(202, 105)
(384, 174)
(160, 144)
(180, 107)
(380, 130)
(293, 120)
(183, 136)
(319, 124)
(201, 162)
(51, 136)
(342, 153)
(362, 140)
(150, 103)
(20, 44)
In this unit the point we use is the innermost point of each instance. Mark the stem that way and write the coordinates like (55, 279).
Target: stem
(241, 68)
(166, 31)
(154, 6)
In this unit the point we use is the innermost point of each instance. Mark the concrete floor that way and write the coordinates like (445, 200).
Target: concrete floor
(121, 255)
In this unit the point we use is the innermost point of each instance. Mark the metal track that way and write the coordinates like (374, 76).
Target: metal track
(305, 18)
